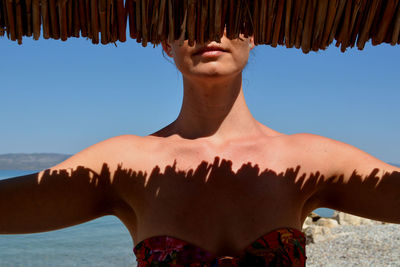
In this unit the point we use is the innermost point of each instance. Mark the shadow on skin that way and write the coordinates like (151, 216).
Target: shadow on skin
(213, 193)
(381, 195)
(208, 195)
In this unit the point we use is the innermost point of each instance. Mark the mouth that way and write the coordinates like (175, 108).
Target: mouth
(210, 50)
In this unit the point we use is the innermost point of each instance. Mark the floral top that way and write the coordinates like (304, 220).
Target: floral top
(281, 247)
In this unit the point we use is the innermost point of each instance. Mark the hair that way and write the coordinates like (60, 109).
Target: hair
(165, 56)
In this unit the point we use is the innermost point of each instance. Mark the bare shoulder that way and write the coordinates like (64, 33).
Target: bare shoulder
(310, 145)
(128, 139)
(332, 157)
(312, 139)
(110, 152)
(349, 179)
(352, 180)
(320, 145)
(344, 157)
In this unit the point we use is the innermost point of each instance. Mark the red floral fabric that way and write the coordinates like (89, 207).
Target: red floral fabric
(282, 247)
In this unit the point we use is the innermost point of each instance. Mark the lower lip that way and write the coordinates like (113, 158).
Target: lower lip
(212, 53)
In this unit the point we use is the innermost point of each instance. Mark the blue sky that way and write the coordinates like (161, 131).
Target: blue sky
(64, 96)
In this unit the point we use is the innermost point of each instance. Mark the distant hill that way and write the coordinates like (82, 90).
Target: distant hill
(36, 161)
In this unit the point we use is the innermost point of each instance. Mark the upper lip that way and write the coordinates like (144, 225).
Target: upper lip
(210, 48)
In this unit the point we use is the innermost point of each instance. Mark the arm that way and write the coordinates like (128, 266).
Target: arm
(360, 184)
(73, 192)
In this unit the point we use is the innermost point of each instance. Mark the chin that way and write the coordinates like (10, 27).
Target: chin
(213, 75)
(211, 70)
(214, 70)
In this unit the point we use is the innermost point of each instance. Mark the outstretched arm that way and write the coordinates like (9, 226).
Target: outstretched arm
(75, 191)
(360, 184)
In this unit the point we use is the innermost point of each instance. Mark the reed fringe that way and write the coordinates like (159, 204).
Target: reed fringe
(305, 24)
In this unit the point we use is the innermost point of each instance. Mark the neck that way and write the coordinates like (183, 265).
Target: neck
(214, 108)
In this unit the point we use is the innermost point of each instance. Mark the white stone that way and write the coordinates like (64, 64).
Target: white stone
(348, 219)
(315, 234)
(327, 222)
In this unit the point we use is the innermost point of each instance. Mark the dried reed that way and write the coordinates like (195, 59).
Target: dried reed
(305, 24)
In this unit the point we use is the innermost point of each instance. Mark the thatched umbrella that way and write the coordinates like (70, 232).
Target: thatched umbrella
(305, 24)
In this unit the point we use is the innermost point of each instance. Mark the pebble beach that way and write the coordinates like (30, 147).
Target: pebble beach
(362, 245)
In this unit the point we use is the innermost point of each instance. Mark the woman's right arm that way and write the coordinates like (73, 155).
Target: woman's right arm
(72, 192)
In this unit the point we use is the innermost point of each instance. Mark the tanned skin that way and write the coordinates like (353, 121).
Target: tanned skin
(214, 177)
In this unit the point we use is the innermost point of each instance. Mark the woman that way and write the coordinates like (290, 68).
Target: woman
(215, 187)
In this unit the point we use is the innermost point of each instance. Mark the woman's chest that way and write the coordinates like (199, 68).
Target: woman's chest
(211, 198)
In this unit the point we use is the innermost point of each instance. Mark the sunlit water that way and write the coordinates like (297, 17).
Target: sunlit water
(102, 242)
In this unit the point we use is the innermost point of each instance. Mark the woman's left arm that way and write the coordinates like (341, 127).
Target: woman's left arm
(360, 184)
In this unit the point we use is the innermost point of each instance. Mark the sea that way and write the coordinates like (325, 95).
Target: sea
(101, 242)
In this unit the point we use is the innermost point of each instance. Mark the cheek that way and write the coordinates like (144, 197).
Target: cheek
(183, 62)
(242, 56)
(242, 50)
(181, 56)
